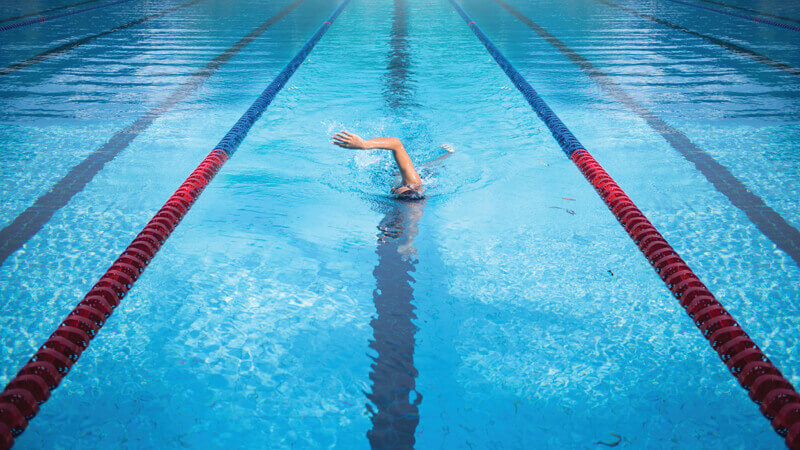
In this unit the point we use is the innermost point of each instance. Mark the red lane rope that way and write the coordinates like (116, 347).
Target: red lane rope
(20, 400)
(778, 400)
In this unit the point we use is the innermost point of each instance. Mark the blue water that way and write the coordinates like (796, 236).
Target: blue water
(507, 310)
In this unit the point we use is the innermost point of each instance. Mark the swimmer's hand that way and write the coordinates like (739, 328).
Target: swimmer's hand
(349, 140)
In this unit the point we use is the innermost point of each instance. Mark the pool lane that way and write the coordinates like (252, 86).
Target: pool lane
(730, 46)
(757, 20)
(45, 11)
(30, 221)
(40, 20)
(64, 48)
(761, 13)
(772, 224)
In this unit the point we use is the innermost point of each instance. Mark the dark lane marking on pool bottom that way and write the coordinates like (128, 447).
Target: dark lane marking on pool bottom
(25, 23)
(27, 224)
(61, 49)
(739, 50)
(768, 221)
(393, 373)
(760, 13)
(397, 92)
(758, 20)
(39, 13)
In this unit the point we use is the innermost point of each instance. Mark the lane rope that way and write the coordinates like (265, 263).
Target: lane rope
(21, 399)
(777, 398)
(767, 220)
(43, 19)
(755, 19)
(14, 235)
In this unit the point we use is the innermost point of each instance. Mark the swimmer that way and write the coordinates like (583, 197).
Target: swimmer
(411, 187)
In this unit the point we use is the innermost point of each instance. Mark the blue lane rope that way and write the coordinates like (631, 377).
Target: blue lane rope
(755, 19)
(24, 394)
(568, 142)
(766, 385)
(25, 23)
(234, 137)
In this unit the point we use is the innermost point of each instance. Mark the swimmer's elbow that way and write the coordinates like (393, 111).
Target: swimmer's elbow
(396, 144)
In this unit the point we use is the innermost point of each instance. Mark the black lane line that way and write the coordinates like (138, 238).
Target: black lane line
(27, 224)
(393, 374)
(760, 13)
(767, 220)
(398, 92)
(754, 19)
(38, 13)
(40, 20)
(739, 50)
(61, 49)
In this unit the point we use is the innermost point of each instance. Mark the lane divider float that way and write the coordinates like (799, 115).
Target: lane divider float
(43, 19)
(785, 236)
(14, 235)
(21, 399)
(779, 402)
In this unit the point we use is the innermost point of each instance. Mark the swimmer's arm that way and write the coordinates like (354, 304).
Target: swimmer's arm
(401, 158)
(436, 161)
(407, 171)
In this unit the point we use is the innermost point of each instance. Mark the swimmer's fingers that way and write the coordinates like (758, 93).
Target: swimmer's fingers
(352, 137)
(344, 144)
(346, 140)
(341, 143)
(342, 138)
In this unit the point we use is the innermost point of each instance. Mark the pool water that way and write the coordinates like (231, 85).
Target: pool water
(298, 305)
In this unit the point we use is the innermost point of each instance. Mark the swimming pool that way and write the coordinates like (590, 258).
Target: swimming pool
(506, 310)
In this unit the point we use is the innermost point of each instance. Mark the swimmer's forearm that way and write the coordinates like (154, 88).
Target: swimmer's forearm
(383, 143)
